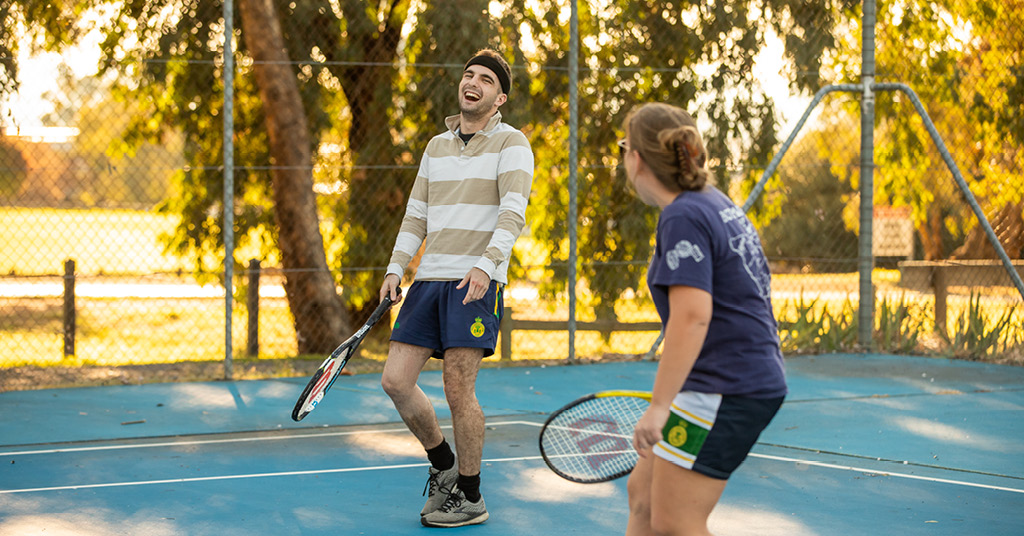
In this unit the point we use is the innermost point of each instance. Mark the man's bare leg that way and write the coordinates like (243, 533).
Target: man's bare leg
(460, 371)
(401, 371)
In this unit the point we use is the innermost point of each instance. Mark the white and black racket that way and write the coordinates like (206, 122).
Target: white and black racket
(590, 439)
(324, 376)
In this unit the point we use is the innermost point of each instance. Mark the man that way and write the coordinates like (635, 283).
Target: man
(467, 208)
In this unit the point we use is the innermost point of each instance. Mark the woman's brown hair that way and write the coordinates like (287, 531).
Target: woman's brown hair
(667, 138)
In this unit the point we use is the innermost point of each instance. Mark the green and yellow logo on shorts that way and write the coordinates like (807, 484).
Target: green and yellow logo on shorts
(676, 436)
(477, 329)
(688, 425)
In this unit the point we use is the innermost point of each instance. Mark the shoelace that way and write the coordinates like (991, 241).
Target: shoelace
(432, 485)
(453, 501)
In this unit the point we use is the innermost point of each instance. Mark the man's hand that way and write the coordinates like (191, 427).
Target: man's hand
(389, 288)
(478, 282)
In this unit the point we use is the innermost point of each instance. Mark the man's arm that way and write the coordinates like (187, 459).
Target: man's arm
(515, 178)
(414, 225)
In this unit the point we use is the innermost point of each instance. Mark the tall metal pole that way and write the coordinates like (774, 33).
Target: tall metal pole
(573, 164)
(229, 182)
(866, 260)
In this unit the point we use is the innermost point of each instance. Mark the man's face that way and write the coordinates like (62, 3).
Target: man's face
(480, 92)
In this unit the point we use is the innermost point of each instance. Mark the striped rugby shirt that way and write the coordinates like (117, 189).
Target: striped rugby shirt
(467, 205)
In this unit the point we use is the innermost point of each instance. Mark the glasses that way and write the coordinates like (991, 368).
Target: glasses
(623, 147)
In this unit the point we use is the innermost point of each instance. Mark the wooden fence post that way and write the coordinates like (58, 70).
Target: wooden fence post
(941, 290)
(69, 308)
(252, 304)
(506, 334)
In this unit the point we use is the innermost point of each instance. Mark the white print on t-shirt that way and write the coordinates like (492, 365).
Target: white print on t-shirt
(729, 214)
(748, 247)
(683, 250)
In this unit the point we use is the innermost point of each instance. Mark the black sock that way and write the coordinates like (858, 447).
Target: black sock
(441, 456)
(470, 486)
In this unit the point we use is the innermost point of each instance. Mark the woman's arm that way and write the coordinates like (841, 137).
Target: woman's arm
(687, 326)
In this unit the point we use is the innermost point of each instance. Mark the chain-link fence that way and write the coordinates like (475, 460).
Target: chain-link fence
(122, 170)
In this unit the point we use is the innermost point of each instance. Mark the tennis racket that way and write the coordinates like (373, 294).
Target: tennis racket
(590, 439)
(324, 376)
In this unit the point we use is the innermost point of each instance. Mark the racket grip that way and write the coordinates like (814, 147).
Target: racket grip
(385, 304)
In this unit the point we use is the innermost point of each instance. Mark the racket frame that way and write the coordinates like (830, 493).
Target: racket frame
(331, 368)
(645, 395)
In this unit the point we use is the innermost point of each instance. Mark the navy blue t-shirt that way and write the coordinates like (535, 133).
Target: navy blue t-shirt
(705, 241)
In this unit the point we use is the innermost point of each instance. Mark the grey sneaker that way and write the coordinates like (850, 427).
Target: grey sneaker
(456, 512)
(439, 485)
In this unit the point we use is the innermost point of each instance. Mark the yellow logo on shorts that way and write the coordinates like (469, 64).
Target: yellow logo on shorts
(477, 329)
(677, 436)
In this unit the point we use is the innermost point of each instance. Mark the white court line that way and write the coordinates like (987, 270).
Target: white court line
(233, 440)
(252, 475)
(387, 467)
(884, 473)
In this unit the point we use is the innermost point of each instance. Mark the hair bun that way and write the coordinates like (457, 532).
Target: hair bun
(685, 144)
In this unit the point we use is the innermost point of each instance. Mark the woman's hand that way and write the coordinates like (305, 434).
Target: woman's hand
(648, 430)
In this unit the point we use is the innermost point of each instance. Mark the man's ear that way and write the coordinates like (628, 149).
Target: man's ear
(501, 99)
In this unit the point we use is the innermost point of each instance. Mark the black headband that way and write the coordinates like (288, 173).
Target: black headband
(492, 64)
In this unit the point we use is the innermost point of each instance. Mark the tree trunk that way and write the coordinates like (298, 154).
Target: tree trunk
(931, 235)
(320, 319)
(1008, 225)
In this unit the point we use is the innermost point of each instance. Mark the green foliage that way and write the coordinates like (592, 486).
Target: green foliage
(379, 95)
(976, 334)
(812, 327)
(813, 197)
(962, 58)
(809, 327)
(627, 58)
(899, 325)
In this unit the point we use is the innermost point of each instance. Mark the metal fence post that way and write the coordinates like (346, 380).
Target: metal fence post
(866, 258)
(574, 35)
(229, 182)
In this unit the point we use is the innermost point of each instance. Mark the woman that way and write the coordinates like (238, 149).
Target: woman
(721, 377)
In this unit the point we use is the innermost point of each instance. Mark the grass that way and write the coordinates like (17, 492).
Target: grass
(816, 311)
(38, 241)
(114, 332)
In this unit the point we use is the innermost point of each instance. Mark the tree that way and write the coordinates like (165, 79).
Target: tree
(314, 304)
(640, 51)
(963, 58)
(808, 194)
(167, 53)
(356, 93)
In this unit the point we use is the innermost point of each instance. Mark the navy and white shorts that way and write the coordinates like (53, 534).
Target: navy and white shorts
(433, 316)
(711, 433)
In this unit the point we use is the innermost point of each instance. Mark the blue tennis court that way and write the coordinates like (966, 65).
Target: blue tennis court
(863, 445)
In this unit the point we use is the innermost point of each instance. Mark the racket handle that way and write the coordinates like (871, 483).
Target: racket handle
(385, 304)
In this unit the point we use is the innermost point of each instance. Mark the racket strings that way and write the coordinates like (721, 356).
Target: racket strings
(593, 441)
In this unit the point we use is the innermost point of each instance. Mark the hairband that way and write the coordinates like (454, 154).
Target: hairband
(494, 65)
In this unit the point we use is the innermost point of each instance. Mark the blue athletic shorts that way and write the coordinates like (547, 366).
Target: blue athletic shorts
(711, 433)
(433, 316)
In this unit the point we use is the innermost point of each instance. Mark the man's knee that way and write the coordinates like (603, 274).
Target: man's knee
(460, 392)
(395, 384)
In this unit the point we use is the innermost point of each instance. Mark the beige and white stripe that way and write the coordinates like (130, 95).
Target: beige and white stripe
(468, 204)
